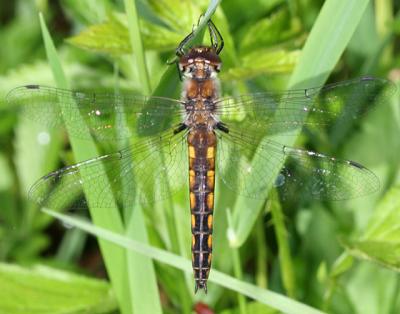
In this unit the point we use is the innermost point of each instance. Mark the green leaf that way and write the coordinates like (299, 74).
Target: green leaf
(263, 62)
(381, 240)
(178, 15)
(243, 12)
(110, 37)
(342, 264)
(269, 31)
(44, 290)
(385, 253)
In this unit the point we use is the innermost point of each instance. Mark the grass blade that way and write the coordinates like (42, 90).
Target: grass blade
(137, 44)
(285, 260)
(327, 41)
(140, 270)
(114, 256)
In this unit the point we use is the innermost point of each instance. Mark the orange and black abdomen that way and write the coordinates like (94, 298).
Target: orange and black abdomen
(202, 149)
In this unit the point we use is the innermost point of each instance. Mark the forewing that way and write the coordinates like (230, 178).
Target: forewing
(319, 107)
(150, 170)
(102, 112)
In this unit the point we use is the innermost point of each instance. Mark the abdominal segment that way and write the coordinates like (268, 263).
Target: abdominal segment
(202, 147)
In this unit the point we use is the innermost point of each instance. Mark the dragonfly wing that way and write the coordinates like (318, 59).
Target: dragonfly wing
(260, 163)
(324, 177)
(151, 170)
(102, 112)
(317, 108)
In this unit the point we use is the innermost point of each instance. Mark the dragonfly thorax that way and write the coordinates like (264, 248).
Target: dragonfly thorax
(201, 86)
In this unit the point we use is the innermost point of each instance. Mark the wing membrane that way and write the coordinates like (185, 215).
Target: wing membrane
(102, 112)
(320, 176)
(319, 107)
(154, 168)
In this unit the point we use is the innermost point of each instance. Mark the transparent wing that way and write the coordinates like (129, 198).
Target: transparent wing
(249, 163)
(320, 176)
(151, 170)
(332, 105)
(102, 112)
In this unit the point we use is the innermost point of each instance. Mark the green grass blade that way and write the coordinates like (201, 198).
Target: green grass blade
(114, 256)
(237, 268)
(328, 39)
(140, 270)
(137, 44)
(52, 57)
(275, 300)
(285, 260)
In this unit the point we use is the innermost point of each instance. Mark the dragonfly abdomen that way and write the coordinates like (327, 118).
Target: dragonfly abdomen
(202, 147)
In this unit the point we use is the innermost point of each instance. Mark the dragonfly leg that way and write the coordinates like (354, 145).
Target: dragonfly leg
(217, 42)
(180, 128)
(222, 127)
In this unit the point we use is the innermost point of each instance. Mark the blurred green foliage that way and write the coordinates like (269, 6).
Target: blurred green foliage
(314, 252)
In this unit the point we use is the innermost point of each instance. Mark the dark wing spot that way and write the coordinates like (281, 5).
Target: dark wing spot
(356, 164)
(32, 86)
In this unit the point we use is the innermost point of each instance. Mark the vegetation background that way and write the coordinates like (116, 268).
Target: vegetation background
(338, 257)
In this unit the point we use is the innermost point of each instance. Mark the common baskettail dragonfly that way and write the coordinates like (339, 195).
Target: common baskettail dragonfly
(204, 133)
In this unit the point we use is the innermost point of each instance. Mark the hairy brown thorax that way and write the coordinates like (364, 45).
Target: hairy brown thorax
(199, 68)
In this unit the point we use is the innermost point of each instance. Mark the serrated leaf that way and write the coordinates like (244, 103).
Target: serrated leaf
(45, 290)
(381, 241)
(263, 62)
(159, 38)
(112, 37)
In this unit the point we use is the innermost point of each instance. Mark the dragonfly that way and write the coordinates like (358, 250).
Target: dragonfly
(198, 138)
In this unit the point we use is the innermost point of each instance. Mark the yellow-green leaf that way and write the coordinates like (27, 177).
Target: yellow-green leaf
(45, 290)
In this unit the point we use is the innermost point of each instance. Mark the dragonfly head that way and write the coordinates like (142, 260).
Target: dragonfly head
(201, 62)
